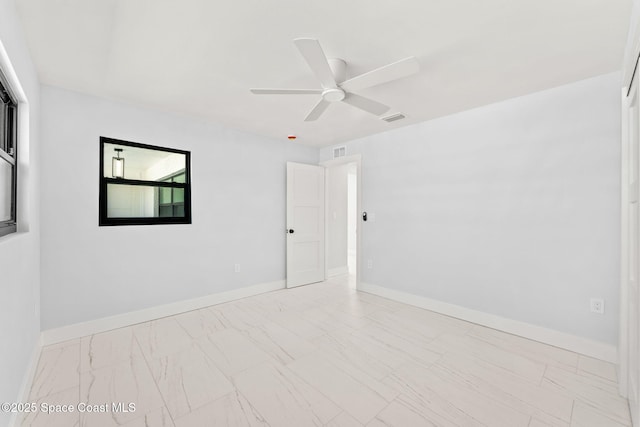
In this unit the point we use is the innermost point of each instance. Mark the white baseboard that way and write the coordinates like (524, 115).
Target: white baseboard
(338, 271)
(77, 330)
(596, 349)
(27, 381)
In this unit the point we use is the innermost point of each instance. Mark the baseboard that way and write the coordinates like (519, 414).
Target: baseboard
(338, 271)
(77, 330)
(27, 381)
(595, 349)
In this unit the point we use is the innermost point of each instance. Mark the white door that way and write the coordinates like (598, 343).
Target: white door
(633, 296)
(305, 224)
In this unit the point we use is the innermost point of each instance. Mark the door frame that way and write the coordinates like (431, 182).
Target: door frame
(357, 159)
(629, 234)
(631, 81)
(623, 338)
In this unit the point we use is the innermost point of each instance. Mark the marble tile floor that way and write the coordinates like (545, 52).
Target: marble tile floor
(320, 355)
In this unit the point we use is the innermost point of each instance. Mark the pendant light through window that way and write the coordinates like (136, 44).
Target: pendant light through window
(117, 164)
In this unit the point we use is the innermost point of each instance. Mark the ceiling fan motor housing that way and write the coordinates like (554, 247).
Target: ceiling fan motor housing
(338, 68)
(333, 95)
(339, 71)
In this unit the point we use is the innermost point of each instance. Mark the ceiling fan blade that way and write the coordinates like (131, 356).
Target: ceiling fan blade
(396, 70)
(317, 110)
(365, 104)
(286, 91)
(317, 60)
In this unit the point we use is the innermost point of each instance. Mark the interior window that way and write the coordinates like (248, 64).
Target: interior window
(143, 184)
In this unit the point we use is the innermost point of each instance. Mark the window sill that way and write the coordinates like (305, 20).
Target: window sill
(13, 236)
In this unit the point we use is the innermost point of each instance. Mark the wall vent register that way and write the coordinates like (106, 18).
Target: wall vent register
(339, 152)
(143, 184)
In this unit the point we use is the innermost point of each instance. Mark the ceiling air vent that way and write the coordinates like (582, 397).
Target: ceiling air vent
(339, 152)
(393, 117)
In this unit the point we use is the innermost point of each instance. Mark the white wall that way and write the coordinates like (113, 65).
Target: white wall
(633, 43)
(238, 204)
(511, 209)
(19, 252)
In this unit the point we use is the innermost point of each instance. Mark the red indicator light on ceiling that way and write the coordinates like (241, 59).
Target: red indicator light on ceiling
(291, 137)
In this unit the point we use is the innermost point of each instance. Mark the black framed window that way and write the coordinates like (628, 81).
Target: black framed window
(143, 184)
(8, 159)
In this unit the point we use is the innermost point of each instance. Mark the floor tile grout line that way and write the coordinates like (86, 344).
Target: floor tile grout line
(39, 372)
(311, 386)
(337, 415)
(586, 402)
(573, 407)
(155, 383)
(318, 390)
(472, 388)
(544, 374)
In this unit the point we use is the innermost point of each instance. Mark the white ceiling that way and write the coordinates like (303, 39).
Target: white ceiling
(200, 57)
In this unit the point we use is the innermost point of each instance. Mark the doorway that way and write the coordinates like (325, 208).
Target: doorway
(342, 220)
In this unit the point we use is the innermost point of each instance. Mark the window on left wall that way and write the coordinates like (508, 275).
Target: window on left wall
(8, 158)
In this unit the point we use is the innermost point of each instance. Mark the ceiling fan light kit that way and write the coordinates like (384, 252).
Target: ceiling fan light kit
(333, 95)
(332, 73)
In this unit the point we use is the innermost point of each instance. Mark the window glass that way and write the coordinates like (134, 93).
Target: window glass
(4, 112)
(178, 195)
(142, 163)
(6, 171)
(165, 196)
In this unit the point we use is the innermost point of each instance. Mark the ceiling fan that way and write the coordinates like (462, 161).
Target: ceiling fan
(332, 72)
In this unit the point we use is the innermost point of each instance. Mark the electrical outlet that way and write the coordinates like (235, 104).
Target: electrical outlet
(369, 263)
(597, 305)
(237, 268)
